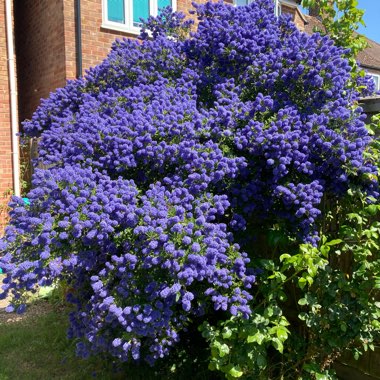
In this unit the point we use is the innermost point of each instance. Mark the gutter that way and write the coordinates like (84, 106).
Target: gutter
(13, 99)
(276, 6)
(370, 104)
(78, 39)
(365, 66)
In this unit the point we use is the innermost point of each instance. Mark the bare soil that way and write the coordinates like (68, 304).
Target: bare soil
(33, 311)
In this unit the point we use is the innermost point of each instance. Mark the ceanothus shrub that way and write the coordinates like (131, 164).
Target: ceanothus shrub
(164, 161)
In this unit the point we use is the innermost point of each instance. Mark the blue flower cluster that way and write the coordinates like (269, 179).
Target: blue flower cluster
(164, 154)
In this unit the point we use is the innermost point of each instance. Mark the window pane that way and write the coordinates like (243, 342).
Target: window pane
(115, 9)
(242, 2)
(377, 81)
(164, 3)
(140, 10)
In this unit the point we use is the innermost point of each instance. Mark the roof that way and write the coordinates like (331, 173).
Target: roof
(370, 57)
(312, 23)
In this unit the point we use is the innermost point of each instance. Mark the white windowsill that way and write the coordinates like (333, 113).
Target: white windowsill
(121, 28)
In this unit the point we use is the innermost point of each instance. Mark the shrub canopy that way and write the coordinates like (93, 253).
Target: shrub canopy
(169, 159)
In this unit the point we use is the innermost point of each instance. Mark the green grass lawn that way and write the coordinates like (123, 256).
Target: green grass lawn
(36, 347)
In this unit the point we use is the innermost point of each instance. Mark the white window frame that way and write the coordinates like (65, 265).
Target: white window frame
(249, 2)
(378, 80)
(277, 6)
(128, 26)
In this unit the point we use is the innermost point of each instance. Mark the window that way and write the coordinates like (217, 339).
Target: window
(125, 15)
(376, 78)
(277, 6)
(242, 2)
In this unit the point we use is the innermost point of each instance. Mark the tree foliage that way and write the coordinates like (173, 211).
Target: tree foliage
(341, 19)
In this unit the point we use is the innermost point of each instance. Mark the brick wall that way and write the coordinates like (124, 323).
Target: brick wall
(96, 40)
(45, 40)
(186, 5)
(5, 123)
(40, 49)
(296, 16)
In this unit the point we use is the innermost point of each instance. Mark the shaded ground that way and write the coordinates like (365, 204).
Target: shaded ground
(34, 346)
(33, 312)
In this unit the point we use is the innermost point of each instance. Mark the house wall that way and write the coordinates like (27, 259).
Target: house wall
(296, 16)
(40, 49)
(6, 182)
(46, 45)
(96, 40)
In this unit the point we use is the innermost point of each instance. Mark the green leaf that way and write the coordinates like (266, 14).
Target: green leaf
(372, 209)
(352, 216)
(226, 333)
(325, 249)
(258, 337)
(212, 366)
(321, 376)
(282, 296)
(302, 301)
(224, 350)
(282, 333)
(284, 256)
(269, 311)
(261, 360)
(302, 282)
(334, 242)
(277, 344)
(235, 372)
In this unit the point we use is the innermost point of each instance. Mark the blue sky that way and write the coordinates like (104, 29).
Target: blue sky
(371, 18)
